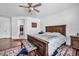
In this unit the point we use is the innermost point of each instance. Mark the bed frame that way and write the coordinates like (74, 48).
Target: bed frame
(58, 28)
(42, 46)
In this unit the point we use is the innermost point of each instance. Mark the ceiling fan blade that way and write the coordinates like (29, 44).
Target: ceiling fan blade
(37, 5)
(29, 11)
(36, 10)
(29, 4)
(23, 6)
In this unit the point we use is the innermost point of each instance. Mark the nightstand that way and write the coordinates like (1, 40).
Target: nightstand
(75, 43)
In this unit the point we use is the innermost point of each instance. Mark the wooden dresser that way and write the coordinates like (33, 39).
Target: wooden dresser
(75, 43)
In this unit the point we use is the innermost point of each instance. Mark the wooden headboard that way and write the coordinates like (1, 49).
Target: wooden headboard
(58, 28)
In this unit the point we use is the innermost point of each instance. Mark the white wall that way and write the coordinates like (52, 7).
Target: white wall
(28, 26)
(4, 27)
(27, 22)
(16, 22)
(9, 27)
(68, 17)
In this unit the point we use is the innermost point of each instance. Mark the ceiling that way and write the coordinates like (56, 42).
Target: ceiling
(13, 9)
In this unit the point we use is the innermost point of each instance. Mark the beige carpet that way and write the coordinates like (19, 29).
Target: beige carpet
(67, 51)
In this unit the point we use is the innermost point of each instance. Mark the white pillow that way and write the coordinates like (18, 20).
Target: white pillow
(52, 33)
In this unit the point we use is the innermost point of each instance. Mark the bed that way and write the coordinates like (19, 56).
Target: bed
(46, 45)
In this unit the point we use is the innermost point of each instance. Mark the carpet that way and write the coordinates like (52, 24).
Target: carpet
(66, 51)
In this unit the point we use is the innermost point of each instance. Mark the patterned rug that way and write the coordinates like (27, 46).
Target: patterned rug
(66, 51)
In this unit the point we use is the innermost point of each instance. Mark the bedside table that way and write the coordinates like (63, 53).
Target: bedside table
(75, 44)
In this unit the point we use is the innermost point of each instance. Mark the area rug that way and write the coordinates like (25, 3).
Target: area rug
(67, 51)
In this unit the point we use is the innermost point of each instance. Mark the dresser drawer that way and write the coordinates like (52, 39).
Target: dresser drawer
(75, 42)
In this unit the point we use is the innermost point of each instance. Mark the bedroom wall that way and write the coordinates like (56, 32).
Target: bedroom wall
(28, 26)
(4, 27)
(27, 22)
(68, 16)
(9, 27)
(16, 22)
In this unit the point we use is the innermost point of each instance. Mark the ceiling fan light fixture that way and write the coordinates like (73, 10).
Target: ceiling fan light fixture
(31, 8)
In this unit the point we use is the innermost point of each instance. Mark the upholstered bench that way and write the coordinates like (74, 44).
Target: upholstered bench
(30, 48)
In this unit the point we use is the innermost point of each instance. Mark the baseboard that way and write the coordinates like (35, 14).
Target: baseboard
(6, 38)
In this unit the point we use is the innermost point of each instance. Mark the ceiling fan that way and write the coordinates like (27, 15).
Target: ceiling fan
(31, 7)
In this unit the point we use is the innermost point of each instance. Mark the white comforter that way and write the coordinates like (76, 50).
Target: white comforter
(55, 40)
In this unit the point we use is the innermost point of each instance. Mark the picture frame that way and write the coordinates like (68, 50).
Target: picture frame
(34, 25)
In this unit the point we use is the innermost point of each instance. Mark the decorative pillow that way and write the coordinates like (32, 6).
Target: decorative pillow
(41, 32)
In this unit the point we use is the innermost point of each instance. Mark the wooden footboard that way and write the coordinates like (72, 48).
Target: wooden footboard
(42, 46)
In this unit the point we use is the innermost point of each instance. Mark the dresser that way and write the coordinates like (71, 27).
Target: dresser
(75, 43)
